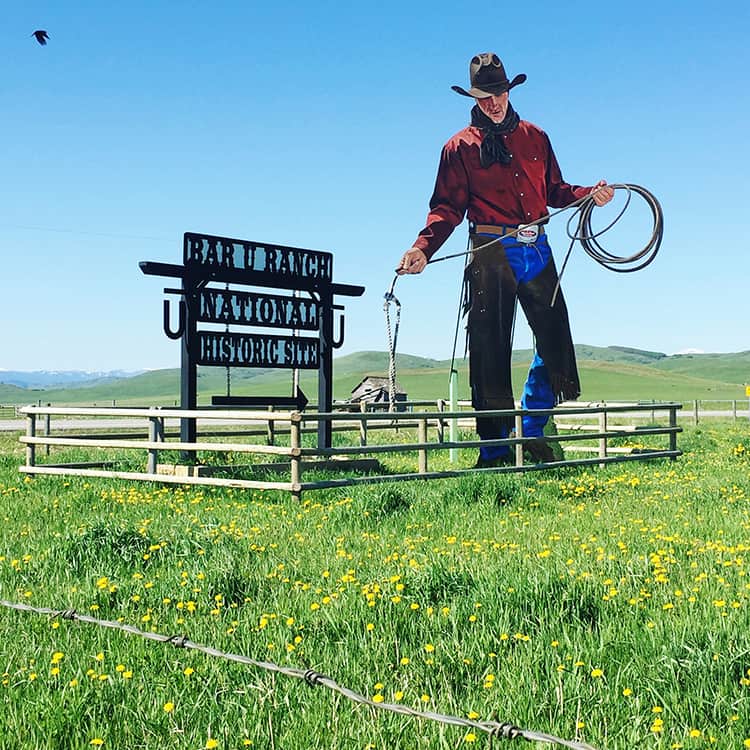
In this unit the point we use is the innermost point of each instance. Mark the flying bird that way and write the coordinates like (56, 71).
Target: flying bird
(41, 36)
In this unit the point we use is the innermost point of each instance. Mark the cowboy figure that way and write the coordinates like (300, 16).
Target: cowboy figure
(502, 174)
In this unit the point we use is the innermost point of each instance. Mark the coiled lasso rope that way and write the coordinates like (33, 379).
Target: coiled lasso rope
(583, 233)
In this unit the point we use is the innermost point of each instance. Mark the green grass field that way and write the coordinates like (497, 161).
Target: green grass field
(608, 605)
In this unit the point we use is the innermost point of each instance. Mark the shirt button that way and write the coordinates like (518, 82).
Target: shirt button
(516, 175)
(521, 194)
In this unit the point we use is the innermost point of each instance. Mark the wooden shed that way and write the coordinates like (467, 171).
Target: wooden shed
(373, 389)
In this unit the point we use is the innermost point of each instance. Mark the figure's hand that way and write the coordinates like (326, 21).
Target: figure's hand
(602, 193)
(414, 261)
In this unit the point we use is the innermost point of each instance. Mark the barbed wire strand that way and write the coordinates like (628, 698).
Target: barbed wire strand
(495, 729)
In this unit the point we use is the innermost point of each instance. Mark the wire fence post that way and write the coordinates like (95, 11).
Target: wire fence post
(519, 434)
(422, 438)
(695, 411)
(453, 424)
(603, 439)
(295, 443)
(30, 432)
(734, 410)
(673, 433)
(440, 422)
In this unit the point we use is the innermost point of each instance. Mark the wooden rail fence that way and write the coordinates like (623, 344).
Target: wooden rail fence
(297, 458)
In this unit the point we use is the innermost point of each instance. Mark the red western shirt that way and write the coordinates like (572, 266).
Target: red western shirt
(516, 193)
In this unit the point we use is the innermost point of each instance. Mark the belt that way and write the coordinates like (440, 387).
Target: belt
(501, 230)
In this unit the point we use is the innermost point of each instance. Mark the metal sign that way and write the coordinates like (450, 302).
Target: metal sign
(255, 350)
(268, 262)
(248, 308)
(244, 263)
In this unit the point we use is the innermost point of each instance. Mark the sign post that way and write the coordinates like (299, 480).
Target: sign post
(247, 269)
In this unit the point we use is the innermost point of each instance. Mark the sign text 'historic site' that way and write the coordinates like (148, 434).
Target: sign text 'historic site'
(257, 350)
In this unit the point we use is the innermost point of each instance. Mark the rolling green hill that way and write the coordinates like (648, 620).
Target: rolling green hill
(607, 373)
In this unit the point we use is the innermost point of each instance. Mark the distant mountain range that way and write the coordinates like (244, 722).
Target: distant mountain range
(61, 378)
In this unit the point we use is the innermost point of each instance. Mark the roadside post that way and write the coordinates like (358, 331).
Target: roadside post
(452, 395)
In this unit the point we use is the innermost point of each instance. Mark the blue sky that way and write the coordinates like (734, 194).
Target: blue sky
(320, 125)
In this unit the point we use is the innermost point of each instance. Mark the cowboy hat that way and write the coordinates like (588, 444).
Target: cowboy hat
(487, 77)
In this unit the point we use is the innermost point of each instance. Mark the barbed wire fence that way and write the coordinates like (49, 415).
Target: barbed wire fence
(494, 729)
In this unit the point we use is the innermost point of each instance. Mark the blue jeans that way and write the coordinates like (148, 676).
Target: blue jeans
(525, 263)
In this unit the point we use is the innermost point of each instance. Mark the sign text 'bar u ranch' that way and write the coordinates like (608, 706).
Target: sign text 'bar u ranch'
(225, 254)
(226, 349)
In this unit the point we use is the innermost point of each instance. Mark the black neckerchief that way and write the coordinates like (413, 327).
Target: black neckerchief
(493, 147)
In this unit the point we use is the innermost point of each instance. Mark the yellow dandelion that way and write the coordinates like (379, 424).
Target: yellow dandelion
(169, 707)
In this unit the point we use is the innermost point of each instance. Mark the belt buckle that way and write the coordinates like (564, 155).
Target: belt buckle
(528, 233)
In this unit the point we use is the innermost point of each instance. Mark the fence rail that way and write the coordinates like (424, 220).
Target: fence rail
(298, 458)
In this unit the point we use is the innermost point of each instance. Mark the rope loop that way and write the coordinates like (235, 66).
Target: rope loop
(66, 614)
(390, 297)
(179, 641)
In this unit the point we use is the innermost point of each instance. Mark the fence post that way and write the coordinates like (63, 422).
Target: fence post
(155, 435)
(734, 410)
(440, 423)
(695, 411)
(271, 430)
(602, 440)
(30, 432)
(673, 433)
(519, 434)
(295, 463)
(453, 424)
(363, 423)
(47, 430)
(422, 438)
